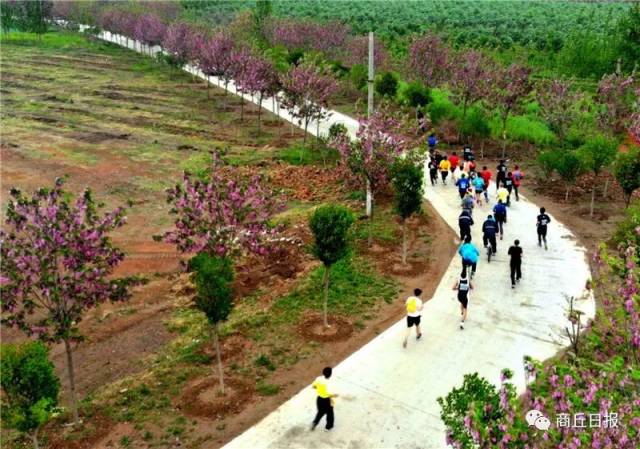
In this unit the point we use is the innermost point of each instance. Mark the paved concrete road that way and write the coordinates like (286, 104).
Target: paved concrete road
(388, 394)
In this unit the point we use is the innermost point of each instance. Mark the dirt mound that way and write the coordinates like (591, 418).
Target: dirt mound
(203, 398)
(83, 436)
(313, 328)
(308, 183)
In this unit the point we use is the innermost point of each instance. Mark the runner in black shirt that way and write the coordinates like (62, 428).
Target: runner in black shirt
(433, 172)
(541, 224)
(501, 173)
(515, 252)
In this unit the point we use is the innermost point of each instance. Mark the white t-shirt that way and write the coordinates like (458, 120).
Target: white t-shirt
(418, 306)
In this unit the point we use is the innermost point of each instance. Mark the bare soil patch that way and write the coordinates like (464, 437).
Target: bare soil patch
(84, 436)
(203, 398)
(313, 328)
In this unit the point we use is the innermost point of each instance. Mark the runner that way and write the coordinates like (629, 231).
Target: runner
(489, 229)
(444, 167)
(467, 202)
(478, 184)
(463, 185)
(463, 285)
(465, 221)
(486, 176)
(515, 252)
(324, 401)
(500, 214)
(518, 176)
(454, 160)
(413, 305)
(433, 172)
(432, 141)
(502, 194)
(541, 224)
(467, 153)
(469, 254)
(501, 172)
(508, 183)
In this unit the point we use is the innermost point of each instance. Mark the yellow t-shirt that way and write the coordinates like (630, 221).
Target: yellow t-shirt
(321, 384)
(445, 165)
(502, 194)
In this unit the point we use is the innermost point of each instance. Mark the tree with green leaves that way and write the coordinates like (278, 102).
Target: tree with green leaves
(596, 154)
(627, 172)
(386, 85)
(330, 226)
(415, 94)
(30, 387)
(569, 166)
(408, 179)
(26, 15)
(547, 161)
(261, 15)
(476, 125)
(629, 38)
(212, 277)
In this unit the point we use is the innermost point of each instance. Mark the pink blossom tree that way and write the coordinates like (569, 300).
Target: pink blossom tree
(306, 93)
(218, 219)
(357, 52)
(380, 141)
(616, 94)
(558, 104)
(306, 35)
(218, 54)
(149, 30)
(260, 79)
(176, 42)
(470, 78)
(430, 59)
(57, 262)
(241, 63)
(222, 216)
(511, 85)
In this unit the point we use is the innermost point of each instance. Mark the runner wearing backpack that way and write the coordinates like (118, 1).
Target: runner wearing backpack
(413, 305)
(518, 176)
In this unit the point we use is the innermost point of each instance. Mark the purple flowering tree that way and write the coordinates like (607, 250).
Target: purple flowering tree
(430, 60)
(176, 42)
(149, 30)
(470, 78)
(241, 63)
(260, 79)
(306, 35)
(357, 52)
(558, 104)
(511, 85)
(381, 139)
(306, 93)
(218, 53)
(222, 216)
(616, 95)
(216, 220)
(57, 262)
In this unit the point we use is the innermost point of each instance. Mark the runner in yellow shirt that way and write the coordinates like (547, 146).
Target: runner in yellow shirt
(444, 167)
(503, 195)
(324, 401)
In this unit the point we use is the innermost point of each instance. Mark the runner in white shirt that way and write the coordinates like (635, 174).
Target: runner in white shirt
(413, 305)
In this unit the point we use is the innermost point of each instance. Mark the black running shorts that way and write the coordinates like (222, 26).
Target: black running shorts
(411, 320)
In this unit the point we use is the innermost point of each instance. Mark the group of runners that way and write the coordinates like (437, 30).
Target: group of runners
(473, 189)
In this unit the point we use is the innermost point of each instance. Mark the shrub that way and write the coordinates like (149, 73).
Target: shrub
(627, 230)
(627, 172)
(30, 387)
(358, 75)
(415, 94)
(386, 85)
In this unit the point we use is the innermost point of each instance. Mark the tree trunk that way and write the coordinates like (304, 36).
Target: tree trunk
(72, 381)
(370, 236)
(504, 137)
(482, 148)
(593, 198)
(241, 108)
(606, 188)
(627, 200)
(306, 125)
(404, 242)
(325, 288)
(566, 194)
(208, 94)
(34, 438)
(259, 111)
(216, 343)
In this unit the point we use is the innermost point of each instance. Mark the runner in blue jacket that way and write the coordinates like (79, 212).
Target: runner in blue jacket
(469, 254)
